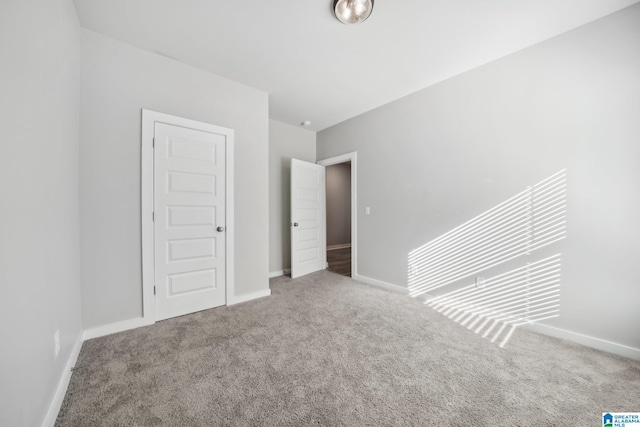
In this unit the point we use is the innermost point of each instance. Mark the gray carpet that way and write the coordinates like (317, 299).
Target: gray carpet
(326, 350)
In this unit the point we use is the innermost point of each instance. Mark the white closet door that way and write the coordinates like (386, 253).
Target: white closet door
(189, 220)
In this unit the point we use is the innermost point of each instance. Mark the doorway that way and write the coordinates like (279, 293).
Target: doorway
(341, 213)
(338, 191)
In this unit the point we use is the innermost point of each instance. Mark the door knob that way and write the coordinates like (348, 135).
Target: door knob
(295, 224)
(220, 228)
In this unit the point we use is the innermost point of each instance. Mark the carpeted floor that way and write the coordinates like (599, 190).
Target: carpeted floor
(326, 350)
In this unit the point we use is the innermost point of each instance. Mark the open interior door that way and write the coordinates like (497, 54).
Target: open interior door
(308, 218)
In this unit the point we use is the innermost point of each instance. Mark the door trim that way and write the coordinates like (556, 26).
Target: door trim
(353, 158)
(149, 118)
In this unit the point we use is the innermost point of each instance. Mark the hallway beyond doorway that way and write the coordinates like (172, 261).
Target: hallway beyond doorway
(339, 261)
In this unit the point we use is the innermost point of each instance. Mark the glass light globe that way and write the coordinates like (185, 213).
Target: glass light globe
(352, 11)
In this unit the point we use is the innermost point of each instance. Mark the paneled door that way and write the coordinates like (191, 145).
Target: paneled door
(189, 220)
(308, 218)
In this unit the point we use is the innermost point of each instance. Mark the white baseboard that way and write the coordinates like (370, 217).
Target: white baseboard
(112, 328)
(125, 325)
(334, 247)
(381, 284)
(600, 344)
(248, 297)
(279, 273)
(63, 384)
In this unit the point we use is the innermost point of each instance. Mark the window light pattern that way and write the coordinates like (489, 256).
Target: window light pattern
(524, 295)
(530, 220)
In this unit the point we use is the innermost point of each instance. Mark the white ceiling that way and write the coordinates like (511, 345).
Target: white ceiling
(315, 68)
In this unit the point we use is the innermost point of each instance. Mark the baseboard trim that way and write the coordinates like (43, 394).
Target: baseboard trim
(334, 247)
(125, 325)
(586, 340)
(381, 284)
(113, 328)
(279, 273)
(63, 384)
(248, 297)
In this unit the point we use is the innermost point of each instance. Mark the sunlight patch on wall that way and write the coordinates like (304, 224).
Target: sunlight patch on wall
(532, 219)
(512, 231)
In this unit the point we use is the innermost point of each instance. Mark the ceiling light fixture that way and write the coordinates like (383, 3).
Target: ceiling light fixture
(352, 11)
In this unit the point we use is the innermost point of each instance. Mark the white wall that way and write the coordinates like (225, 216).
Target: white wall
(39, 226)
(118, 81)
(339, 204)
(285, 142)
(434, 159)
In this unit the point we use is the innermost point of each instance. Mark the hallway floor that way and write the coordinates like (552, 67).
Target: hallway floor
(339, 261)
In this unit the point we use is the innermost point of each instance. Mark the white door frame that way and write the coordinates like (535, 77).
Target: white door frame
(343, 158)
(149, 119)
